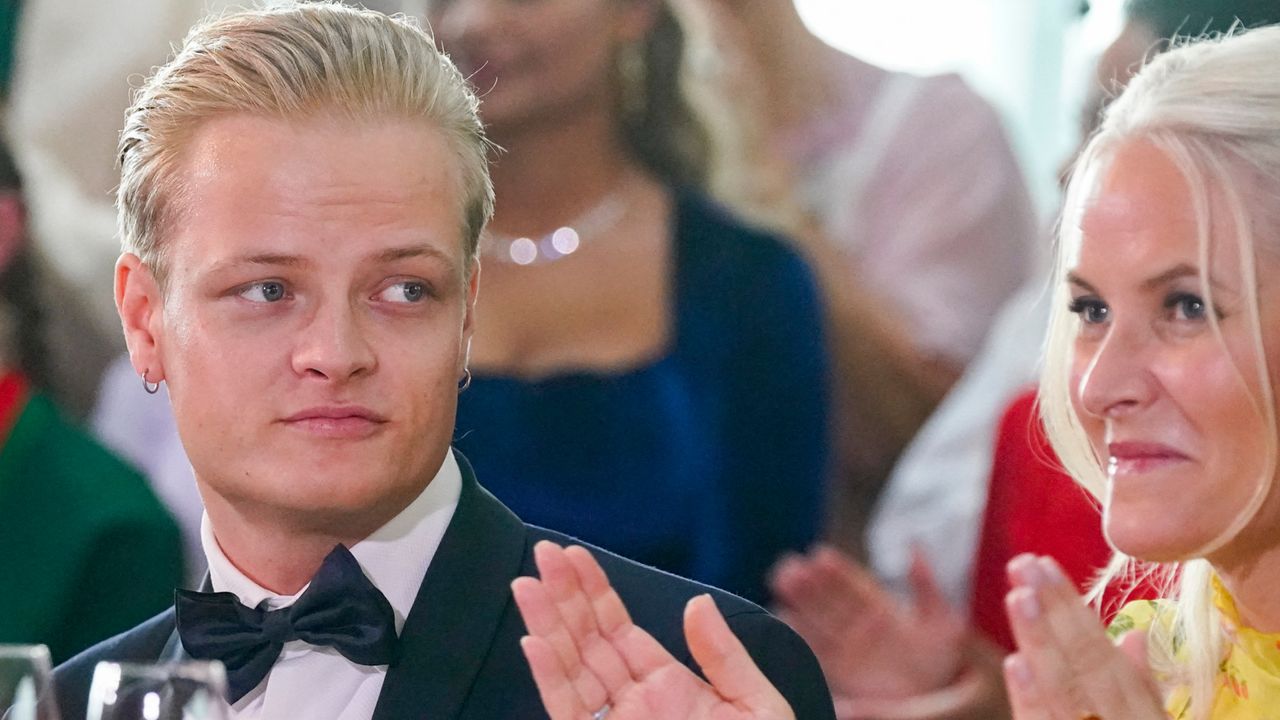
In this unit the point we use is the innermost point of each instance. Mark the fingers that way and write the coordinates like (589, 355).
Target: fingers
(637, 649)
(929, 598)
(1073, 666)
(724, 660)
(1023, 698)
(576, 606)
(829, 592)
(547, 628)
(559, 697)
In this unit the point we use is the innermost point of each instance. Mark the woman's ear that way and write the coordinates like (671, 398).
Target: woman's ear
(140, 304)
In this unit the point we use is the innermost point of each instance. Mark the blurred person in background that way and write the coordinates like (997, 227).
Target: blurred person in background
(650, 374)
(905, 194)
(938, 492)
(87, 549)
(981, 484)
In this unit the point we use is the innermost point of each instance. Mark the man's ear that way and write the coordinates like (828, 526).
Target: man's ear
(140, 304)
(13, 226)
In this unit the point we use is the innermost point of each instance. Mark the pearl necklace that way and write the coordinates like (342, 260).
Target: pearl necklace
(561, 242)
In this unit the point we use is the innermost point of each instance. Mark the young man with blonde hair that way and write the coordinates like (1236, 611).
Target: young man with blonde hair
(302, 190)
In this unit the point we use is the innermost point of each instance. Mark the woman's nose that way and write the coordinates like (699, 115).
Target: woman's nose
(1117, 378)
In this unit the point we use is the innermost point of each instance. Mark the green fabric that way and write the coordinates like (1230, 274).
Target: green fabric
(86, 550)
(10, 10)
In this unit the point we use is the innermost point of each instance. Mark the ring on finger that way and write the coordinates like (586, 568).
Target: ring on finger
(603, 712)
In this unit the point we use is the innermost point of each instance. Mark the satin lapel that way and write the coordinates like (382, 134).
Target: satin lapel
(173, 650)
(451, 626)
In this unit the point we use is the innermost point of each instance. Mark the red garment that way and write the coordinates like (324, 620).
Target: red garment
(1034, 506)
(14, 390)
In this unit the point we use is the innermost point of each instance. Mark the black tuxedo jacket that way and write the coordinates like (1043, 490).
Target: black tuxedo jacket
(460, 652)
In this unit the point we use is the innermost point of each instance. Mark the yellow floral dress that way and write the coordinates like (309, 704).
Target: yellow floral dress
(1249, 675)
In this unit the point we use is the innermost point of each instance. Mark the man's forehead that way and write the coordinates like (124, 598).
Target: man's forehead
(363, 189)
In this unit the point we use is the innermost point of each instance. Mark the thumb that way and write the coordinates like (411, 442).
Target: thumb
(929, 599)
(724, 660)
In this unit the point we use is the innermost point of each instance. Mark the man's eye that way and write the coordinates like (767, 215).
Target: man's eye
(409, 291)
(1091, 310)
(267, 291)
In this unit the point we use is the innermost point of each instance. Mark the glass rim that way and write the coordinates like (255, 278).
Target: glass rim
(39, 653)
(198, 670)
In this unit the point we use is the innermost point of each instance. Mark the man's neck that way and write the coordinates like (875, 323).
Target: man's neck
(552, 171)
(282, 551)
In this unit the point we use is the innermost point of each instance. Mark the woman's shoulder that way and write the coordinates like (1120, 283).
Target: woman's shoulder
(1141, 616)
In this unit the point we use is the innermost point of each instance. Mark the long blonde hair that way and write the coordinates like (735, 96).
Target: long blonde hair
(1212, 106)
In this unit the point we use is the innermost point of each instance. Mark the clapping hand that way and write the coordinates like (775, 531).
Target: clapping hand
(1065, 667)
(871, 643)
(887, 658)
(589, 660)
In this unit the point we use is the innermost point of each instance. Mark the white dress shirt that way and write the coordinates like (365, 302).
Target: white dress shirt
(317, 683)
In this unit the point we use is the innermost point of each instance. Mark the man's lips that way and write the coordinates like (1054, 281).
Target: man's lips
(1133, 457)
(336, 421)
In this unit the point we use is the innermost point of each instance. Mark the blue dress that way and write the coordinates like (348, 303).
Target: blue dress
(708, 462)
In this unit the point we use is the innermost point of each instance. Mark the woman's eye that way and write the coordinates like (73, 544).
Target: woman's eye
(409, 291)
(267, 291)
(1186, 306)
(1091, 310)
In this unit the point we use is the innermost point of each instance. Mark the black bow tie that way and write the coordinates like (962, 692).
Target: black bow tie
(341, 609)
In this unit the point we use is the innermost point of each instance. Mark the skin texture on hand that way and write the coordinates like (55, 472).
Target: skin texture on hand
(873, 646)
(585, 653)
(1065, 667)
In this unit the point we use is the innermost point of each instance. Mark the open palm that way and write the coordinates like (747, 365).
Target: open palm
(871, 644)
(586, 654)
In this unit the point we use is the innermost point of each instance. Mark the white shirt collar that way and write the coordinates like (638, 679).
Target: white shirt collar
(395, 557)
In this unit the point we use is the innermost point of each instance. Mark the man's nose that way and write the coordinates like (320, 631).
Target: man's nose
(334, 345)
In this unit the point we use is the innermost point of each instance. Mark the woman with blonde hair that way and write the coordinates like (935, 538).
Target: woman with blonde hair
(1158, 395)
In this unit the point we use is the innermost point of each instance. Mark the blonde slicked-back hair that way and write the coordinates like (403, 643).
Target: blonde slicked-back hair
(292, 60)
(1211, 106)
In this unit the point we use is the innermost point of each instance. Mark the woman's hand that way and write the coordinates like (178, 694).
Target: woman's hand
(873, 646)
(1065, 667)
(589, 660)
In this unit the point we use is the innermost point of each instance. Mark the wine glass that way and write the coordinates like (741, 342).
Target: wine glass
(167, 691)
(26, 683)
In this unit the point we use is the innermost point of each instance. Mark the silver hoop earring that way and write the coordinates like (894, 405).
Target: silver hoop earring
(466, 380)
(151, 387)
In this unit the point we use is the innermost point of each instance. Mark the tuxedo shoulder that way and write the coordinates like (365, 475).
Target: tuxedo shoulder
(641, 586)
(143, 643)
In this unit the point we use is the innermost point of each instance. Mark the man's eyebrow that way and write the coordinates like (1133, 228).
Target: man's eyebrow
(413, 251)
(266, 259)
